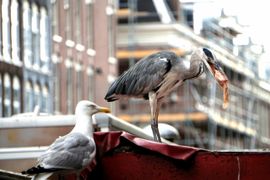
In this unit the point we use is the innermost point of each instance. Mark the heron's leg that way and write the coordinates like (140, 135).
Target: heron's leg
(159, 102)
(154, 106)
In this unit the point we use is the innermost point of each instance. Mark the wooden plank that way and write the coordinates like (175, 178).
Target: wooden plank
(196, 116)
(125, 54)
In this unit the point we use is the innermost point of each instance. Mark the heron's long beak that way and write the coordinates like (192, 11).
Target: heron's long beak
(222, 80)
(218, 74)
(103, 109)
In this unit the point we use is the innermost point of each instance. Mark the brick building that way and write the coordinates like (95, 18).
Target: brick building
(83, 51)
(25, 76)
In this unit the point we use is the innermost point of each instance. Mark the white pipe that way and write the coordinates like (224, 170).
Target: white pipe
(36, 121)
(102, 120)
(21, 152)
(135, 130)
(107, 120)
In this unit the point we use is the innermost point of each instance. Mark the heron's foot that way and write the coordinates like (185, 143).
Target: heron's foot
(155, 131)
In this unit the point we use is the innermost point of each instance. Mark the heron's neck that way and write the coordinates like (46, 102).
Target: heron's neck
(194, 70)
(83, 125)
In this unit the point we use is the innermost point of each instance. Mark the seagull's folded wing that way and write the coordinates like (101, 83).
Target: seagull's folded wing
(73, 151)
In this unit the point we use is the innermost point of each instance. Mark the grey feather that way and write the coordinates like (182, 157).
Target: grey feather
(145, 76)
(74, 151)
(68, 152)
(157, 75)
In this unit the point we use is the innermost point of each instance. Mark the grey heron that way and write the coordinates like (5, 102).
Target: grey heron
(155, 76)
(74, 151)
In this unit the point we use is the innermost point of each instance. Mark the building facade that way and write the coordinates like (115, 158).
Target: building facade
(25, 76)
(83, 51)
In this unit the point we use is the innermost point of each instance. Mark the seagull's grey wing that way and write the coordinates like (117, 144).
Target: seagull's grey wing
(73, 151)
(145, 76)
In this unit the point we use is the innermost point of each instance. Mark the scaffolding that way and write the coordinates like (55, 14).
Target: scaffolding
(237, 127)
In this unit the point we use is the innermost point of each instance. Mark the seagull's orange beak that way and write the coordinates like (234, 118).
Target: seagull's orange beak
(103, 109)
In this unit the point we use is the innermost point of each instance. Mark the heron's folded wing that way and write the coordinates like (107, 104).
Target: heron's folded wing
(72, 151)
(143, 77)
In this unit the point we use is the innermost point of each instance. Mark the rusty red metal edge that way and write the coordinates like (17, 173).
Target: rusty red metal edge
(161, 161)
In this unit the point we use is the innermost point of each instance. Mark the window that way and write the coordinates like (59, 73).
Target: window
(1, 45)
(55, 16)
(29, 100)
(78, 32)
(66, 4)
(7, 95)
(68, 17)
(35, 36)
(79, 76)
(45, 99)
(1, 96)
(27, 35)
(37, 95)
(111, 33)
(188, 15)
(6, 30)
(16, 95)
(56, 81)
(69, 85)
(90, 87)
(44, 40)
(89, 26)
(15, 31)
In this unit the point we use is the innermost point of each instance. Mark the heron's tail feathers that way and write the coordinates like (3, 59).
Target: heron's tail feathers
(110, 94)
(110, 98)
(117, 87)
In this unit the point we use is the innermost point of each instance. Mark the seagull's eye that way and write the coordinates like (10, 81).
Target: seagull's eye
(91, 106)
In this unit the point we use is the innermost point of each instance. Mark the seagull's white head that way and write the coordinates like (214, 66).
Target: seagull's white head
(89, 108)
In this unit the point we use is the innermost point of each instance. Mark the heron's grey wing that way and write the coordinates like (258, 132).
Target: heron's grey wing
(72, 151)
(145, 76)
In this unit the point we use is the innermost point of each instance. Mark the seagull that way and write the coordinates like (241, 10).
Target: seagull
(155, 76)
(75, 150)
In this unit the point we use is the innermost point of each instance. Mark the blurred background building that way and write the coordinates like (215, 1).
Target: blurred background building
(196, 108)
(83, 43)
(54, 53)
(25, 57)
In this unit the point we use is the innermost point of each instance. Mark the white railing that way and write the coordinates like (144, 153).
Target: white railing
(102, 121)
(36, 121)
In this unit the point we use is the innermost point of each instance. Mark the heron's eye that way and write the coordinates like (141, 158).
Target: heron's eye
(210, 61)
